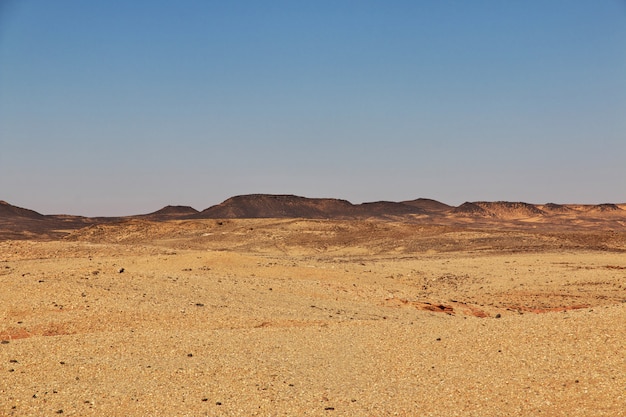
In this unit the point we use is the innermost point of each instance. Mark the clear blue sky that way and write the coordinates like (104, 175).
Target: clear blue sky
(120, 107)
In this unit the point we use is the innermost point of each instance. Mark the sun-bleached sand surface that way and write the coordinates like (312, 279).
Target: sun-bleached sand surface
(296, 317)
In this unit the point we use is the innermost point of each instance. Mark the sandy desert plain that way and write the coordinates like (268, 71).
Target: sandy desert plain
(486, 309)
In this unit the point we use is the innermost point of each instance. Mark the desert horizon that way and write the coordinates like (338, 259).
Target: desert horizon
(285, 305)
(323, 208)
(175, 208)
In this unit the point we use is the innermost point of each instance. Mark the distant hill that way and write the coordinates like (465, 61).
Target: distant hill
(8, 210)
(170, 212)
(427, 204)
(507, 209)
(470, 209)
(292, 206)
(277, 206)
(607, 207)
(555, 208)
(21, 223)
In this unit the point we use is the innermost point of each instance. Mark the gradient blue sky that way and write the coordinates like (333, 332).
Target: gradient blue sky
(121, 107)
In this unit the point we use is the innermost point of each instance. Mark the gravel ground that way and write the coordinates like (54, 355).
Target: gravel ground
(148, 330)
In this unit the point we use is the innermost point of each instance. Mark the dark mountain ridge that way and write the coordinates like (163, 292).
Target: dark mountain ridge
(292, 206)
(20, 223)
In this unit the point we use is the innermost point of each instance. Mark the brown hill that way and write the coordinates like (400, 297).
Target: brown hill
(607, 207)
(555, 208)
(170, 213)
(8, 210)
(277, 206)
(385, 209)
(470, 209)
(290, 206)
(428, 205)
(507, 209)
(20, 223)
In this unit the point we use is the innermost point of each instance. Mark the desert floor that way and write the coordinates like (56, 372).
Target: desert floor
(302, 317)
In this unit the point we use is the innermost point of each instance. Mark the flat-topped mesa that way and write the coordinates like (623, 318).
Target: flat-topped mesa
(292, 206)
(277, 206)
(170, 212)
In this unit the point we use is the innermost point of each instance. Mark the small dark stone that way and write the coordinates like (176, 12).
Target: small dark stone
(34, 395)
(121, 270)
(199, 305)
(189, 355)
(438, 339)
(13, 361)
(329, 408)
(5, 342)
(62, 363)
(576, 381)
(205, 399)
(498, 315)
(59, 411)
(218, 403)
(11, 370)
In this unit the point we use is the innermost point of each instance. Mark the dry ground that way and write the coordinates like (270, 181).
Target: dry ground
(302, 317)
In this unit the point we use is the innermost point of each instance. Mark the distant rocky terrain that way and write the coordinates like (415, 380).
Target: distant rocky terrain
(21, 223)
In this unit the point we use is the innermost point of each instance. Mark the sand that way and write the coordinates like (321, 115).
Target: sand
(296, 317)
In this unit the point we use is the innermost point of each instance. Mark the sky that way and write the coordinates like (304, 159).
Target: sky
(122, 107)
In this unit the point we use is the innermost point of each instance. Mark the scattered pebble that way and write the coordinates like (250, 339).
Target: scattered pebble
(121, 270)
(498, 315)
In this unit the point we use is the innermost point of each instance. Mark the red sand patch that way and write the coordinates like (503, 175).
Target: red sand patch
(52, 330)
(13, 334)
